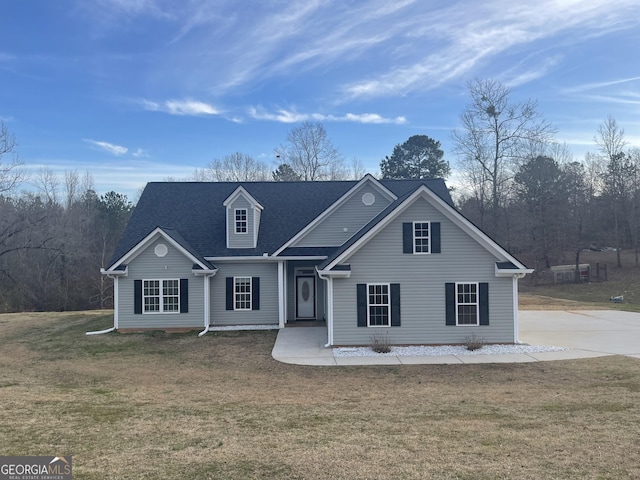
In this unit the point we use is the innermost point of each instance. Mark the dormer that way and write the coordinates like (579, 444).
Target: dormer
(243, 219)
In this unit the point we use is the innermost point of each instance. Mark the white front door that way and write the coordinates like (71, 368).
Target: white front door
(306, 297)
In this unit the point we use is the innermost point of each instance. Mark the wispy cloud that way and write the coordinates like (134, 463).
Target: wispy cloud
(288, 116)
(111, 148)
(181, 107)
(140, 153)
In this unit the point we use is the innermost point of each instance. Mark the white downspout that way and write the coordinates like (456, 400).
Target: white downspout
(207, 310)
(115, 310)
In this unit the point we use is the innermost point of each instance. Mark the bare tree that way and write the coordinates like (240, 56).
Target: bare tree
(356, 169)
(610, 138)
(11, 171)
(495, 137)
(311, 154)
(48, 183)
(237, 167)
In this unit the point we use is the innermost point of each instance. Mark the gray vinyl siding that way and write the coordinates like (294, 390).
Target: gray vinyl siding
(147, 266)
(422, 281)
(268, 313)
(241, 240)
(352, 216)
(291, 289)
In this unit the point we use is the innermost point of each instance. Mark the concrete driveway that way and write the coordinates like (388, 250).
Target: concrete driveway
(586, 332)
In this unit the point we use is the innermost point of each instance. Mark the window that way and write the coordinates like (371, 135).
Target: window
(378, 305)
(467, 303)
(241, 220)
(161, 296)
(421, 237)
(242, 293)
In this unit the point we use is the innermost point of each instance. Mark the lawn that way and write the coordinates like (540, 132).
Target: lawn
(175, 406)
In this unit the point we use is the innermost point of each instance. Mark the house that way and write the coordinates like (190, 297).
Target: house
(369, 256)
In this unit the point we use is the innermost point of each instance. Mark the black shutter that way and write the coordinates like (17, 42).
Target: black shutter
(137, 297)
(435, 237)
(395, 304)
(229, 293)
(362, 304)
(450, 303)
(484, 303)
(407, 238)
(255, 293)
(184, 295)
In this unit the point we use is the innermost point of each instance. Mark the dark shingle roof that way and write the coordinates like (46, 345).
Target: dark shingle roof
(193, 211)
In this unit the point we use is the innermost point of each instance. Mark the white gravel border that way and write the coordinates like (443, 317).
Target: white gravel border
(457, 350)
(243, 327)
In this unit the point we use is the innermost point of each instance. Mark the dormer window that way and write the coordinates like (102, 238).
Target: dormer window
(241, 220)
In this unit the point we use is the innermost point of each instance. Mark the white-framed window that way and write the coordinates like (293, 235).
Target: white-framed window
(242, 293)
(161, 296)
(421, 237)
(467, 306)
(378, 305)
(241, 220)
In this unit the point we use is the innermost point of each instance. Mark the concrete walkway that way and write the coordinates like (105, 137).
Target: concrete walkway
(587, 333)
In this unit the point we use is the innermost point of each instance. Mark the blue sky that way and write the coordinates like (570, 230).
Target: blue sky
(141, 90)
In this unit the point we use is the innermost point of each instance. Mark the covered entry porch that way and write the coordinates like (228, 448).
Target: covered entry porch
(305, 299)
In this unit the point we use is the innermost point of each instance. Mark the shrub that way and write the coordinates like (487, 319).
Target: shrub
(380, 343)
(473, 342)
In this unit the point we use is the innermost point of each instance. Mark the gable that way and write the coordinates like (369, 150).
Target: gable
(363, 204)
(433, 204)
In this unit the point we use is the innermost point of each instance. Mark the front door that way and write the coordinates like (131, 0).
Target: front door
(305, 297)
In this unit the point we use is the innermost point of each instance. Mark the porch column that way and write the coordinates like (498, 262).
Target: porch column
(281, 295)
(116, 299)
(329, 312)
(207, 301)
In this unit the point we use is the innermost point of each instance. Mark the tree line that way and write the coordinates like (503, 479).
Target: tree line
(514, 181)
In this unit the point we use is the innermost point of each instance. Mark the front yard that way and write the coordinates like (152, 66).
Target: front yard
(175, 406)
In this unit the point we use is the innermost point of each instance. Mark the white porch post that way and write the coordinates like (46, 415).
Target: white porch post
(516, 326)
(207, 301)
(281, 295)
(116, 298)
(329, 312)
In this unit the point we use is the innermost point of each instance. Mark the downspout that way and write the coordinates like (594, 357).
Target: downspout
(115, 309)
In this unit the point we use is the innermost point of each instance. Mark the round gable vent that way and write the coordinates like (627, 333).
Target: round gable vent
(161, 250)
(368, 199)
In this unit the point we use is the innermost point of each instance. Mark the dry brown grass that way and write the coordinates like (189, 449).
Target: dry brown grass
(149, 406)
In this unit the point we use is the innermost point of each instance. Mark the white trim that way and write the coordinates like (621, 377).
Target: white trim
(447, 210)
(242, 191)
(250, 301)
(388, 305)
(160, 296)
(477, 304)
(246, 221)
(352, 191)
(329, 311)
(511, 272)
(281, 295)
(516, 326)
(413, 237)
(262, 258)
(116, 302)
(144, 243)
